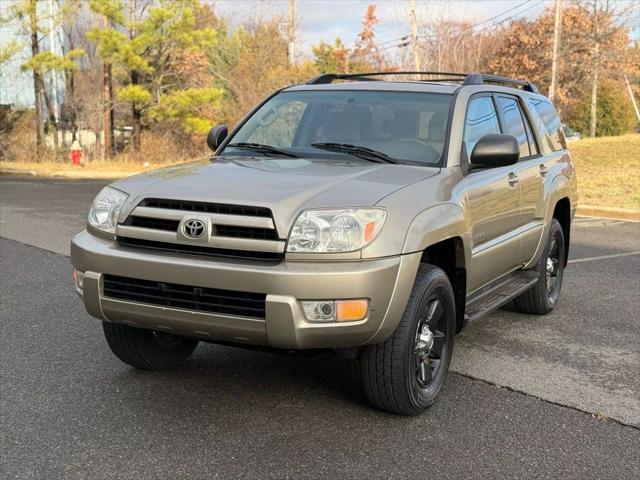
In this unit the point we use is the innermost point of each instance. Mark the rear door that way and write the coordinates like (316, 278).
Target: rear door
(493, 196)
(530, 170)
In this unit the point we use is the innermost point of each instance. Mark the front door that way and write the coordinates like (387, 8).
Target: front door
(530, 170)
(493, 196)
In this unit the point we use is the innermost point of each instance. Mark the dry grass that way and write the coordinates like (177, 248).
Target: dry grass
(608, 171)
(112, 169)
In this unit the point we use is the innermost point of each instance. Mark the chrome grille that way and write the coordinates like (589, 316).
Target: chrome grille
(221, 208)
(231, 230)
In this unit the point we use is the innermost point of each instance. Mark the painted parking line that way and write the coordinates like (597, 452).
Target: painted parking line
(603, 257)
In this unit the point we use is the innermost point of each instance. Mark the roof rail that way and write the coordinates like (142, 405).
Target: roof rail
(465, 78)
(330, 77)
(481, 79)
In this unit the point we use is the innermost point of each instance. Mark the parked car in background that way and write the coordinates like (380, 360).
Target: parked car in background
(570, 134)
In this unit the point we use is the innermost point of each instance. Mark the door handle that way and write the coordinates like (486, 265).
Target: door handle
(543, 169)
(513, 179)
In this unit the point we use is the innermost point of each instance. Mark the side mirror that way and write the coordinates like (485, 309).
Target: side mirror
(495, 150)
(216, 136)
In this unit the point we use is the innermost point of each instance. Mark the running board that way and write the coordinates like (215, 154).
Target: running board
(496, 294)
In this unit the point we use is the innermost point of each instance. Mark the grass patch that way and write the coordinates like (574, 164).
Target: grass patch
(608, 171)
(99, 169)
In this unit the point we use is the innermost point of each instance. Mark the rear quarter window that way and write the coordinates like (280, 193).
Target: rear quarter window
(551, 122)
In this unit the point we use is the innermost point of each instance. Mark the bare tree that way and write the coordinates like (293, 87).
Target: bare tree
(606, 19)
(107, 105)
(38, 82)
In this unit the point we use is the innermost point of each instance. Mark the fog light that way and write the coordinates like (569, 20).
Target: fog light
(319, 311)
(326, 311)
(78, 279)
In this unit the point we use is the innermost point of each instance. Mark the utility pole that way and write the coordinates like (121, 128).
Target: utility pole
(414, 34)
(292, 30)
(556, 43)
(633, 98)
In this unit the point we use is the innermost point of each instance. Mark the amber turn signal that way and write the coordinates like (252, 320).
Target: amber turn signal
(351, 310)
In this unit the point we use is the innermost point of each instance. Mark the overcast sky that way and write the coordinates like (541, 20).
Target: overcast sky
(324, 20)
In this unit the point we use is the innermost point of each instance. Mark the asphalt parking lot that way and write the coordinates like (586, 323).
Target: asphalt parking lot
(529, 397)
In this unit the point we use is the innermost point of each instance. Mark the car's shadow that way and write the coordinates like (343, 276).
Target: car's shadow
(234, 378)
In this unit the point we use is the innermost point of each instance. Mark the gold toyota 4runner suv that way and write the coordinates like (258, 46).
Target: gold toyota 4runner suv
(375, 218)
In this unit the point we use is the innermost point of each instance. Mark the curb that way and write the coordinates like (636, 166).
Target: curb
(609, 212)
(12, 172)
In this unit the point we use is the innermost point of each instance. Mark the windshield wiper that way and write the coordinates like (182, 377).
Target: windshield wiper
(357, 150)
(262, 148)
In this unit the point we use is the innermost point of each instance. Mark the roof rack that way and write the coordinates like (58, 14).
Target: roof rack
(465, 78)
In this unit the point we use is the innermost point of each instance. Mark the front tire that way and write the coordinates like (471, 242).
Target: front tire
(543, 297)
(147, 349)
(405, 373)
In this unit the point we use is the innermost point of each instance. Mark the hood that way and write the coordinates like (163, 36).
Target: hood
(286, 186)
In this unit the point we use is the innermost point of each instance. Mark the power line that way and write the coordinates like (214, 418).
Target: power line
(488, 27)
(405, 37)
(404, 41)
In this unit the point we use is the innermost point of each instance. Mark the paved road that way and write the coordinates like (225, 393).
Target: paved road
(68, 408)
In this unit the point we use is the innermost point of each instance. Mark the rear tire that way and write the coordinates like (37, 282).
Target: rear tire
(543, 297)
(147, 349)
(401, 375)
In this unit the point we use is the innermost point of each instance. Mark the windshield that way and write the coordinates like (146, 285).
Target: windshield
(406, 126)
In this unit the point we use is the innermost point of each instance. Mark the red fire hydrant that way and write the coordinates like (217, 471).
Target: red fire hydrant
(75, 154)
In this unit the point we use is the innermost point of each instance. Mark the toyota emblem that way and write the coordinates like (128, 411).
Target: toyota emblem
(193, 228)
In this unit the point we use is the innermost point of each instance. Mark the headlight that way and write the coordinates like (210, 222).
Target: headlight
(105, 209)
(332, 231)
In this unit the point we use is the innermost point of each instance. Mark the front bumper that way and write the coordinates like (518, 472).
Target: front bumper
(387, 282)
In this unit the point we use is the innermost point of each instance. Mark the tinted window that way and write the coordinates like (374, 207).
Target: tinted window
(551, 123)
(409, 126)
(513, 124)
(481, 120)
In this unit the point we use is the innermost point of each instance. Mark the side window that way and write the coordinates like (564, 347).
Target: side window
(551, 122)
(481, 120)
(513, 123)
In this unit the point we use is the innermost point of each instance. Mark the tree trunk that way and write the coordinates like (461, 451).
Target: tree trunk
(136, 115)
(594, 89)
(107, 129)
(107, 126)
(38, 84)
(51, 116)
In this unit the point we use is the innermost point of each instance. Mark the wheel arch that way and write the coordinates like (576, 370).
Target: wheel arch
(558, 199)
(441, 234)
(449, 256)
(562, 213)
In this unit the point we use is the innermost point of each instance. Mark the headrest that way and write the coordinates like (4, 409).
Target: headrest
(342, 126)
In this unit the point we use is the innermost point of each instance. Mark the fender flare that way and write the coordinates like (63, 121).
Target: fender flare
(436, 224)
(559, 188)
